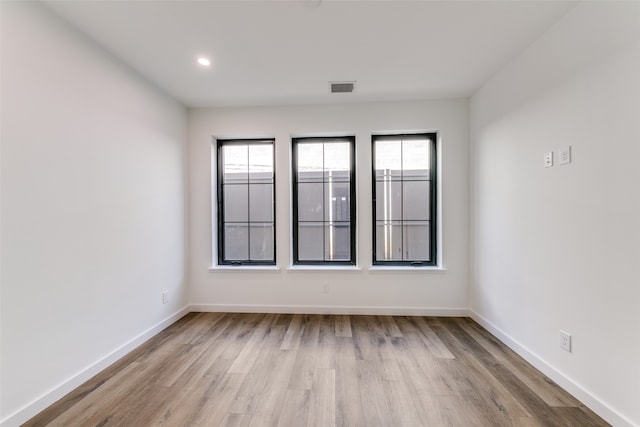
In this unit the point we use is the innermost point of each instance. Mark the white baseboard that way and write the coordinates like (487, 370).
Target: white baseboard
(32, 409)
(313, 309)
(594, 403)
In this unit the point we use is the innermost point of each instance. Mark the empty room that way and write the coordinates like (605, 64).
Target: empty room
(319, 213)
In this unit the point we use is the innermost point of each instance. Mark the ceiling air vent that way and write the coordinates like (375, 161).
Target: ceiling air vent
(341, 87)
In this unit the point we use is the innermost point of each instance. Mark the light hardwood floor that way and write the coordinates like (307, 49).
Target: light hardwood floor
(220, 369)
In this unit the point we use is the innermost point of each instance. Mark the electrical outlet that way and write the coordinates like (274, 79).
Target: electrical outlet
(564, 155)
(165, 297)
(548, 159)
(325, 288)
(565, 341)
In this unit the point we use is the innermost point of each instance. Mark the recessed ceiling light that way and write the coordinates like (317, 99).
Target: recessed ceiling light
(204, 61)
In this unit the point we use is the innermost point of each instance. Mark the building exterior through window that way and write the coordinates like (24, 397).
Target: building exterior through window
(245, 201)
(324, 200)
(404, 199)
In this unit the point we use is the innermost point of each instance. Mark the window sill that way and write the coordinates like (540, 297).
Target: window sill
(244, 268)
(324, 268)
(437, 269)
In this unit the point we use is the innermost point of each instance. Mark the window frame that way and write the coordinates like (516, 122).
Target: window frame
(352, 201)
(220, 143)
(433, 200)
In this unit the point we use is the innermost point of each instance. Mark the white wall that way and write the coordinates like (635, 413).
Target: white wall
(357, 291)
(559, 248)
(93, 209)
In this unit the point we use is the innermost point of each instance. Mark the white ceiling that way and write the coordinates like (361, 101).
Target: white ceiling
(286, 52)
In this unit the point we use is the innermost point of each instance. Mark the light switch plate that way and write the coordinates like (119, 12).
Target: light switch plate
(548, 159)
(564, 155)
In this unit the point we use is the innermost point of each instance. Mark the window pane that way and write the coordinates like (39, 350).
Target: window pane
(416, 241)
(323, 197)
(246, 178)
(310, 161)
(337, 242)
(236, 237)
(337, 160)
(415, 159)
(404, 230)
(261, 163)
(337, 207)
(388, 156)
(261, 242)
(235, 202)
(310, 241)
(388, 200)
(235, 163)
(261, 202)
(388, 241)
(310, 201)
(415, 200)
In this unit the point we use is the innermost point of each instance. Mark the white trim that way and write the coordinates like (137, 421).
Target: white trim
(404, 268)
(323, 267)
(595, 403)
(57, 392)
(245, 268)
(314, 309)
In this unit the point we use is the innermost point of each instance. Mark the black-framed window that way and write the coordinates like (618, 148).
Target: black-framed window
(245, 202)
(324, 201)
(404, 199)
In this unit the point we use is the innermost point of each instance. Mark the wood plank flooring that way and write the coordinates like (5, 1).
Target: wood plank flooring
(223, 369)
